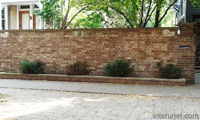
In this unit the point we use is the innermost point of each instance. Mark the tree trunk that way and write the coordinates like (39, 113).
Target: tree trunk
(157, 17)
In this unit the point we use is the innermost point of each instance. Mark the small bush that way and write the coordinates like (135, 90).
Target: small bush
(119, 68)
(170, 71)
(78, 68)
(198, 21)
(27, 67)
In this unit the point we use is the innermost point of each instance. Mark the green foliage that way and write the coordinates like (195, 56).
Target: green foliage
(51, 12)
(195, 3)
(136, 13)
(78, 68)
(108, 13)
(170, 71)
(31, 67)
(119, 68)
(57, 13)
(100, 19)
(115, 20)
(198, 21)
(141, 13)
(93, 20)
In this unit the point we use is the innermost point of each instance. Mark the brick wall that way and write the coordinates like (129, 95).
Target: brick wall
(59, 48)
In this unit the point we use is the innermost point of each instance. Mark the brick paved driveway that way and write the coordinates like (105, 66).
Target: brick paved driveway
(25, 104)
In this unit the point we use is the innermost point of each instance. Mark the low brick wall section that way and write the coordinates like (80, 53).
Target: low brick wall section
(97, 79)
(60, 48)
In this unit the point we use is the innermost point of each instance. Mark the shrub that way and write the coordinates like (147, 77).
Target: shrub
(170, 71)
(119, 68)
(31, 67)
(78, 68)
(198, 21)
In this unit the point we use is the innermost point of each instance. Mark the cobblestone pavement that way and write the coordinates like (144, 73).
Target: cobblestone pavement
(26, 104)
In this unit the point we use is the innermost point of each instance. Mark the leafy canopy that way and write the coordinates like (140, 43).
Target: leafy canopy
(50, 13)
(135, 13)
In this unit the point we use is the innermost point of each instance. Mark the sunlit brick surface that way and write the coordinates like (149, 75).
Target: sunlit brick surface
(59, 48)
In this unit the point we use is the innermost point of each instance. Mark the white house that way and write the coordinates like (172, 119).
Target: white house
(186, 11)
(17, 14)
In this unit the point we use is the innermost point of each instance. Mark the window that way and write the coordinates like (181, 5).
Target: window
(3, 13)
(3, 18)
(25, 7)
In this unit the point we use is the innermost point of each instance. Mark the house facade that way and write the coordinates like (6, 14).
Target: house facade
(186, 11)
(17, 14)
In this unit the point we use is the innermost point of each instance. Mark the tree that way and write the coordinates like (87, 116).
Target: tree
(56, 12)
(195, 3)
(160, 4)
(100, 19)
(138, 13)
(93, 20)
(80, 5)
(50, 13)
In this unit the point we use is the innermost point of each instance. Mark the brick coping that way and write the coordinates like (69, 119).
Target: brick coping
(91, 29)
(95, 79)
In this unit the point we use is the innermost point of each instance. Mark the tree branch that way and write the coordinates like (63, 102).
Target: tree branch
(150, 16)
(122, 15)
(135, 5)
(141, 18)
(166, 11)
(75, 16)
(66, 15)
(149, 9)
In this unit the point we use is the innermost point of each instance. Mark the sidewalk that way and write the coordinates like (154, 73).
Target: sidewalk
(189, 91)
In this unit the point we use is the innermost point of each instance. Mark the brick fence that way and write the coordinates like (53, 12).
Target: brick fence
(59, 48)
